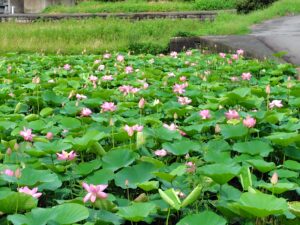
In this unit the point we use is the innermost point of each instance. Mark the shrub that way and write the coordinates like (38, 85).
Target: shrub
(215, 4)
(147, 47)
(246, 6)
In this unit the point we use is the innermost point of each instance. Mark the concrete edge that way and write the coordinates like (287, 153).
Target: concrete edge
(216, 46)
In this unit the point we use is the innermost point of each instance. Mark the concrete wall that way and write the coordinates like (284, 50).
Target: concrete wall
(37, 6)
(18, 4)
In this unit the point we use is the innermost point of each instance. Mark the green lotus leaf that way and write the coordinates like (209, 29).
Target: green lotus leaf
(181, 147)
(11, 202)
(116, 159)
(255, 147)
(294, 207)
(278, 188)
(233, 131)
(221, 173)
(136, 211)
(206, 218)
(130, 177)
(262, 205)
(67, 213)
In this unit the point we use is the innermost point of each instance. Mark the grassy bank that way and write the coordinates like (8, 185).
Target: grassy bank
(143, 6)
(97, 35)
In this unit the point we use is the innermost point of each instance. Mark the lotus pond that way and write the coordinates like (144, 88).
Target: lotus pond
(187, 138)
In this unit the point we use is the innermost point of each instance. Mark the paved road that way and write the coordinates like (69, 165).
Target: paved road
(281, 34)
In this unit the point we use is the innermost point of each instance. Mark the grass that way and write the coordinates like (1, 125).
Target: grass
(142, 6)
(98, 35)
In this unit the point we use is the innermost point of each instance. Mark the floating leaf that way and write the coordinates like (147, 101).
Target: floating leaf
(255, 147)
(221, 173)
(136, 211)
(206, 218)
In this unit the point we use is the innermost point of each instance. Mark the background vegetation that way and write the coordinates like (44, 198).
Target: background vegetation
(153, 36)
(143, 6)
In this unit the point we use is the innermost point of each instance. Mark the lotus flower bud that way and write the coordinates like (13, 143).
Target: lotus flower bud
(217, 129)
(268, 89)
(175, 116)
(142, 103)
(274, 178)
(8, 151)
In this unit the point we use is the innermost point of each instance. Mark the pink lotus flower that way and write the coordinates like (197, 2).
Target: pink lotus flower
(128, 69)
(85, 112)
(108, 107)
(235, 56)
(49, 136)
(106, 56)
(80, 97)
(145, 85)
(107, 78)
(142, 103)
(246, 76)
(249, 122)
(129, 130)
(27, 134)
(66, 156)
(28, 191)
(205, 114)
(9, 172)
(127, 89)
(94, 192)
(120, 58)
(138, 128)
(232, 114)
(274, 178)
(161, 153)
(240, 52)
(184, 100)
(94, 80)
(179, 88)
(171, 127)
(234, 79)
(67, 67)
(174, 54)
(222, 55)
(182, 78)
(97, 61)
(275, 104)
